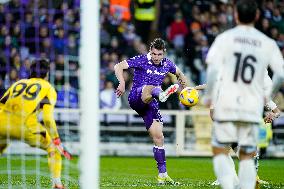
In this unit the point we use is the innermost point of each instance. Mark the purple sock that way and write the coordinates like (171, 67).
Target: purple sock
(156, 91)
(160, 158)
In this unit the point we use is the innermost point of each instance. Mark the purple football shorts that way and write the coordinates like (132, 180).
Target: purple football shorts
(148, 112)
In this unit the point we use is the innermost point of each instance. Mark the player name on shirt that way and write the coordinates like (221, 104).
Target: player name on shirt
(248, 41)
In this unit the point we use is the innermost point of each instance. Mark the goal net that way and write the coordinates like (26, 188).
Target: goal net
(32, 29)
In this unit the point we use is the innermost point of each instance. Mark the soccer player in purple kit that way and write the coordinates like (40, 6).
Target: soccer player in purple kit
(149, 72)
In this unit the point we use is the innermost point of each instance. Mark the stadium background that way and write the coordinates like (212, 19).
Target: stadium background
(51, 29)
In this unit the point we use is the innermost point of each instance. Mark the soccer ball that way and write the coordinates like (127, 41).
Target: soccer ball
(189, 96)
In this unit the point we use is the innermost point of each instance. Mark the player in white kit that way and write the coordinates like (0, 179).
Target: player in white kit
(239, 59)
(272, 113)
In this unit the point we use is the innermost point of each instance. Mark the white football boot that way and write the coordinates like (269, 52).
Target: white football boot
(215, 183)
(163, 96)
(262, 182)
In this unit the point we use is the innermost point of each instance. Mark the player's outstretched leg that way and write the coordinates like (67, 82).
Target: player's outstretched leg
(149, 92)
(163, 96)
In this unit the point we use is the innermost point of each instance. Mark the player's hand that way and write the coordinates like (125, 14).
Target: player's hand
(207, 101)
(61, 149)
(200, 87)
(120, 89)
(211, 113)
(269, 117)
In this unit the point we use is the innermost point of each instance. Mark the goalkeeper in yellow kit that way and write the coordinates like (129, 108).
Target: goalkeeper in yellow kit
(20, 107)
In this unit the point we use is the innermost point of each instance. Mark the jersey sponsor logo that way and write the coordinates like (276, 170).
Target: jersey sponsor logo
(149, 71)
(155, 72)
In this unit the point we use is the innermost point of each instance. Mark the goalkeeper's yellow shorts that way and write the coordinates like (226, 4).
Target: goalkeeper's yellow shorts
(28, 130)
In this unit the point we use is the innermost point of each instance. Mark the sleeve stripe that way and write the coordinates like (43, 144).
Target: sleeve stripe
(5, 98)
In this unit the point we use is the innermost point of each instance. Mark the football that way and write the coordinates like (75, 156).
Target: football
(189, 97)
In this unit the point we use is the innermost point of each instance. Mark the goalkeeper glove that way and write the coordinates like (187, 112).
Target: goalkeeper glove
(61, 149)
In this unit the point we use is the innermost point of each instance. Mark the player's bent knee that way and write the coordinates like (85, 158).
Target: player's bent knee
(146, 93)
(147, 98)
(51, 154)
(52, 151)
(220, 150)
(158, 139)
(247, 152)
(147, 89)
(2, 148)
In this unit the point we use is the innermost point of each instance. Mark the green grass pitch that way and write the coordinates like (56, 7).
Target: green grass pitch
(128, 172)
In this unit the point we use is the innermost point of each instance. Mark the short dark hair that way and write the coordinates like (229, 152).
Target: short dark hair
(246, 11)
(159, 44)
(39, 68)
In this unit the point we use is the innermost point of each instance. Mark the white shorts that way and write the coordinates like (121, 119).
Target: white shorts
(242, 133)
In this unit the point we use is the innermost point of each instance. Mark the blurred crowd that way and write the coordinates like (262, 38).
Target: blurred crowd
(188, 26)
(31, 29)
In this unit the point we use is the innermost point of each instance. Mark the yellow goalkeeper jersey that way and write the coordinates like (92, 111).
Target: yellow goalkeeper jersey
(27, 97)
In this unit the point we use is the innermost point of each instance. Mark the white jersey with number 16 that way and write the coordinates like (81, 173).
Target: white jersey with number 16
(240, 58)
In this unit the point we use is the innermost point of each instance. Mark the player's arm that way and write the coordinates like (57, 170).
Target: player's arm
(118, 70)
(212, 73)
(181, 78)
(47, 105)
(267, 86)
(273, 113)
(276, 112)
(7, 94)
(277, 66)
(214, 60)
(183, 81)
(49, 122)
(200, 87)
(4, 98)
(211, 112)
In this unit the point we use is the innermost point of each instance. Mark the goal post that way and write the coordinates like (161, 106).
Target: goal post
(89, 81)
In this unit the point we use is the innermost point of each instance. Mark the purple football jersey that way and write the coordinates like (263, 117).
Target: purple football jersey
(147, 73)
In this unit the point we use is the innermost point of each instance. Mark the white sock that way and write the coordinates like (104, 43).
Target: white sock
(162, 175)
(247, 174)
(223, 170)
(236, 178)
(56, 181)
